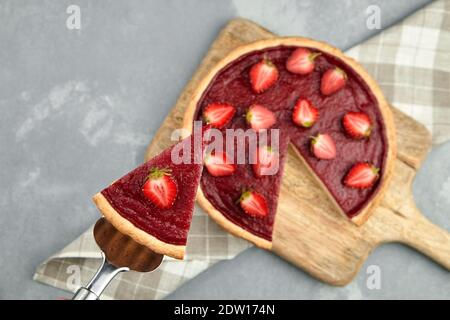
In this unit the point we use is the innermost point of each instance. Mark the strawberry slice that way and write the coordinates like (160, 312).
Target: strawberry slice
(301, 61)
(218, 164)
(266, 161)
(361, 176)
(263, 75)
(259, 117)
(304, 114)
(218, 114)
(323, 147)
(254, 204)
(160, 188)
(332, 81)
(357, 125)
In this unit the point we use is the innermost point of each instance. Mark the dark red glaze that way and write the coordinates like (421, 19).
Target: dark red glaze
(232, 85)
(169, 225)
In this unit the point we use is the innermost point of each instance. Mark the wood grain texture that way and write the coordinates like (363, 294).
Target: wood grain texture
(308, 231)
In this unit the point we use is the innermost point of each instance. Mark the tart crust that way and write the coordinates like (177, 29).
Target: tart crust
(383, 106)
(138, 235)
(228, 225)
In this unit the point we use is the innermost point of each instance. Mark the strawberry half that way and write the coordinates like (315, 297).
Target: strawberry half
(333, 80)
(323, 147)
(361, 176)
(301, 61)
(218, 114)
(259, 117)
(266, 161)
(357, 125)
(254, 204)
(263, 75)
(304, 114)
(160, 188)
(219, 165)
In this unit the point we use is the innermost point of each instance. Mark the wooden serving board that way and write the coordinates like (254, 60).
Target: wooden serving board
(308, 230)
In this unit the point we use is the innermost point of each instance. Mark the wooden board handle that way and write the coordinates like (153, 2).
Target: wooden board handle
(407, 225)
(398, 219)
(427, 238)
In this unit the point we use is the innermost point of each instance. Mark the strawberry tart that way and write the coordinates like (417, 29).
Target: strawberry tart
(324, 105)
(154, 203)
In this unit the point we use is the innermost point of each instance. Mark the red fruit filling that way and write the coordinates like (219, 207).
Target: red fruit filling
(344, 91)
(158, 197)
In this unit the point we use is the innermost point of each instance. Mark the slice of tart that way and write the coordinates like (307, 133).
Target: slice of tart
(325, 105)
(154, 203)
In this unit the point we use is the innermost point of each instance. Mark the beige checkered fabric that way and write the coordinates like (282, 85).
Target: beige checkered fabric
(411, 62)
(76, 264)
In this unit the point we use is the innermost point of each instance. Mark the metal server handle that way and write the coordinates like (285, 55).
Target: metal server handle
(105, 273)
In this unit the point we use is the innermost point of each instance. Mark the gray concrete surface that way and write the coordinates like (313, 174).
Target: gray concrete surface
(79, 106)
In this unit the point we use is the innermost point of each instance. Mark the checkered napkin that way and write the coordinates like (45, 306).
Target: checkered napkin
(410, 61)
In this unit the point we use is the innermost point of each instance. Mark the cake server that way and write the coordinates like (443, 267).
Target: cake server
(120, 253)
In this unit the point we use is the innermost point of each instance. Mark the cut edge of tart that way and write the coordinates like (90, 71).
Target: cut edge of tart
(154, 202)
(228, 225)
(384, 108)
(138, 235)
